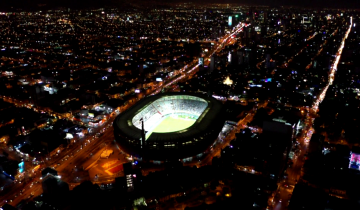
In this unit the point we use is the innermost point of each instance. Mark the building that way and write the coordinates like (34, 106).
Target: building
(130, 126)
(355, 159)
(283, 124)
(52, 184)
(212, 63)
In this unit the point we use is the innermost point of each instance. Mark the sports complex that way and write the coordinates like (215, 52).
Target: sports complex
(176, 126)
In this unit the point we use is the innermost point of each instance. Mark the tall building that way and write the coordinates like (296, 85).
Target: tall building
(234, 58)
(284, 124)
(51, 183)
(133, 177)
(305, 19)
(221, 30)
(249, 56)
(240, 55)
(267, 60)
(262, 17)
(212, 63)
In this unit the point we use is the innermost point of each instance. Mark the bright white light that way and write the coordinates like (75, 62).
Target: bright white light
(69, 136)
(228, 81)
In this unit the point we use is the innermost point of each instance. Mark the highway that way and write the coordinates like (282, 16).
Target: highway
(189, 69)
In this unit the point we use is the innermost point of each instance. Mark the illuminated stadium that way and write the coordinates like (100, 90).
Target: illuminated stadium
(176, 126)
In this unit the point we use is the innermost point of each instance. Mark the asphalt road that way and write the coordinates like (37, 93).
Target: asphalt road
(286, 186)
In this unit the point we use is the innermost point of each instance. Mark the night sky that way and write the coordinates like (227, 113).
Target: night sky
(96, 3)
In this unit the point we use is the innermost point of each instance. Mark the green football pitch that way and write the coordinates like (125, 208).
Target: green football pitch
(171, 124)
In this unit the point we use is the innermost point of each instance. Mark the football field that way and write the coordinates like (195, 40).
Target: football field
(171, 124)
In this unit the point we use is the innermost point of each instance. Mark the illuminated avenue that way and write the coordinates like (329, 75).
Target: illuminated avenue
(286, 79)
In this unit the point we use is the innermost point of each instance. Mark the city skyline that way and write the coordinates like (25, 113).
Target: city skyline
(318, 4)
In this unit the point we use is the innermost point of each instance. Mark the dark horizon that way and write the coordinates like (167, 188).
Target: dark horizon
(38, 4)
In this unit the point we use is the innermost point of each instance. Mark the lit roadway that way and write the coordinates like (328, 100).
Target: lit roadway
(192, 68)
(77, 154)
(286, 188)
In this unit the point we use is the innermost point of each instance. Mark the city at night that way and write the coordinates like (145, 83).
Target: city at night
(179, 105)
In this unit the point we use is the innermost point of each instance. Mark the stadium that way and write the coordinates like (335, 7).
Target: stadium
(176, 126)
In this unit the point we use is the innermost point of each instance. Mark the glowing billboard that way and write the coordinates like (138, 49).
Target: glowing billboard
(354, 161)
(21, 166)
(268, 80)
(201, 61)
(230, 20)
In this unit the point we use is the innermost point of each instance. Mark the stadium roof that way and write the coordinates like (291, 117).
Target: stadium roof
(209, 119)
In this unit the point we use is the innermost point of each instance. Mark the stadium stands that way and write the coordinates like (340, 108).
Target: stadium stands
(205, 112)
(155, 111)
